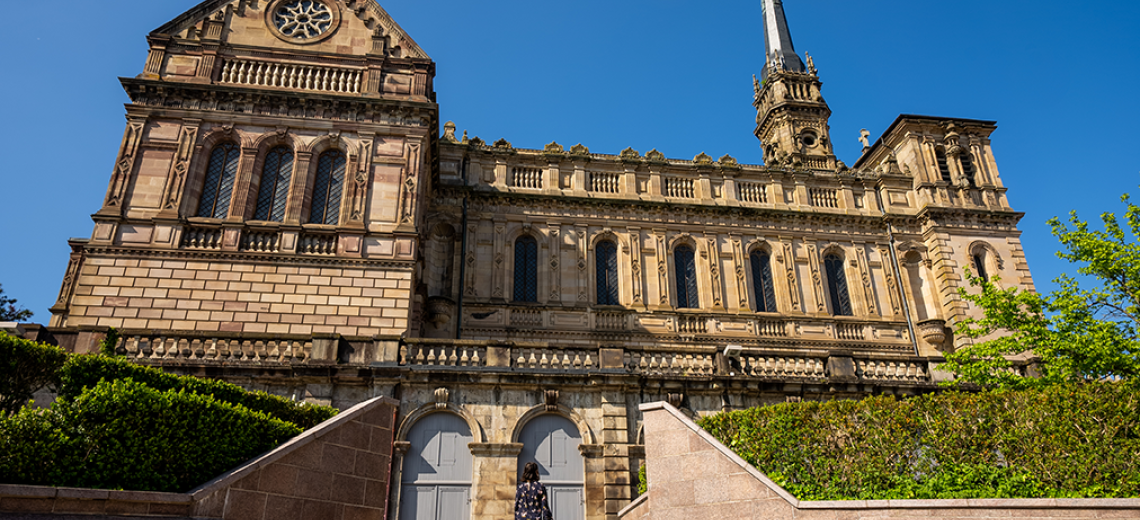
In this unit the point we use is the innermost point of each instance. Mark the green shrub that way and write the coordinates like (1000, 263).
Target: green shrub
(1060, 441)
(124, 435)
(26, 366)
(642, 481)
(82, 372)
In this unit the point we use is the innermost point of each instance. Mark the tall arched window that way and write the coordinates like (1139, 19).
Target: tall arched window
(837, 285)
(327, 188)
(943, 164)
(274, 191)
(685, 264)
(605, 255)
(526, 269)
(762, 283)
(219, 185)
(980, 265)
(968, 168)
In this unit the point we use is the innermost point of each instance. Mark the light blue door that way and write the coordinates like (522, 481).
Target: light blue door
(552, 442)
(437, 470)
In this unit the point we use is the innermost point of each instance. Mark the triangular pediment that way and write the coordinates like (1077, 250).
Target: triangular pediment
(349, 25)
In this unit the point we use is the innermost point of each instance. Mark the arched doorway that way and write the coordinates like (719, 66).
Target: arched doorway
(436, 479)
(552, 441)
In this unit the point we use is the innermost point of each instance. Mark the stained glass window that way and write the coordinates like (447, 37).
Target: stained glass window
(762, 284)
(685, 264)
(327, 189)
(837, 285)
(274, 190)
(219, 184)
(607, 272)
(526, 269)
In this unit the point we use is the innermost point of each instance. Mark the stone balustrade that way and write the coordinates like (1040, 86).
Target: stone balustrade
(291, 76)
(703, 361)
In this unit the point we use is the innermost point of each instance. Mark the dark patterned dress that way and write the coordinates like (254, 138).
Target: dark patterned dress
(531, 502)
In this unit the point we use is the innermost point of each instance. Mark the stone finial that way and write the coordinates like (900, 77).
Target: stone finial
(441, 396)
(865, 138)
(465, 139)
(554, 148)
(449, 132)
(578, 149)
(476, 141)
(655, 156)
(703, 158)
(503, 143)
(550, 397)
(728, 161)
(810, 64)
(630, 153)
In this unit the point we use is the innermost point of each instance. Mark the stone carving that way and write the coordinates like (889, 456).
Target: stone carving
(578, 149)
(675, 399)
(469, 288)
(122, 173)
(662, 269)
(553, 148)
(714, 271)
(635, 264)
(703, 159)
(555, 273)
(359, 187)
(441, 395)
(810, 64)
(303, 19)
(655, 156)
(865, 274)
(176, 178)
(728, 161)
(630, 154)
(864, 139)
(411, 173)
(449, 133)
(789, 262)
(892, 284)
(502, 143)
(550, 399)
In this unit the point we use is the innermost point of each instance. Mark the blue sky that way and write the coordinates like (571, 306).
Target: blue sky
(1059, 77)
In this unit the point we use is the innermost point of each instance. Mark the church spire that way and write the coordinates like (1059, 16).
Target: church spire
(778, 39)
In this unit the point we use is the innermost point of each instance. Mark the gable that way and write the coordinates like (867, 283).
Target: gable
(344, 27)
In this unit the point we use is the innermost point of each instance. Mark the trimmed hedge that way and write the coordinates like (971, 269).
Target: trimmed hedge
(82, 372)
(25, 367)
(1060, 441)
(123, 435)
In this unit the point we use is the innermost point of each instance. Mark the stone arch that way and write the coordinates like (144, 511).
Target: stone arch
(992, 263)
(562, 410)
(758, 244)
(433, 408)
(607, 234)
(202, 150)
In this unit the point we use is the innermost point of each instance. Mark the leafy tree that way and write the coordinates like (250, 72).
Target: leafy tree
(9, 311)
(1078, 334)
(25, 367)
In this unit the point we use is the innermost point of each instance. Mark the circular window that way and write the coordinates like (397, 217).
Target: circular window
(302, 21)
(808, 139)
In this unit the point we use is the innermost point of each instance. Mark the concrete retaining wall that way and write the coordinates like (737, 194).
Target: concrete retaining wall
(338, 470)
(692, 475)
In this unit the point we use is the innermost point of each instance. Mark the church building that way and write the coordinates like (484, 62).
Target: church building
(288, 213)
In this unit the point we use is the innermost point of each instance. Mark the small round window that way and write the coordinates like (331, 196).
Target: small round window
(303, 21)
(808, 139)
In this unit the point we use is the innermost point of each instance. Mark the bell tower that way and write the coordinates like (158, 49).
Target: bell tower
(791, 115)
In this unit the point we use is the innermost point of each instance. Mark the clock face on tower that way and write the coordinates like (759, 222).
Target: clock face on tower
(303, 21)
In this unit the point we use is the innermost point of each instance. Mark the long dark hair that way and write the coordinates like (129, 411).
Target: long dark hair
(530, 472)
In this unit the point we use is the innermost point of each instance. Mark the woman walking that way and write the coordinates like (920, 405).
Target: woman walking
(530, 500)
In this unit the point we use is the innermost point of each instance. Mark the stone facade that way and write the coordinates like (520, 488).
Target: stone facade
(286, 213)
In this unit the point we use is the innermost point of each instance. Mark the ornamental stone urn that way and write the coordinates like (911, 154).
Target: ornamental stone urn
(933, 332)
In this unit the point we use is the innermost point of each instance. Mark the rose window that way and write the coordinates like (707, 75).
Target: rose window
(303, 19)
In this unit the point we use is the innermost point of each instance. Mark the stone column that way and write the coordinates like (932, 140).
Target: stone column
(299, 189)
(495, 468)
(613, 459)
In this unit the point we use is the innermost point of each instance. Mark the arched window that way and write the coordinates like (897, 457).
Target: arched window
(605, 255)
(219, 185)
(686, 269)
(968, 168)
(837, 285)
(327, 189)
(274, 191)
(526, 269)
(980, 265)
(943, 164)
(762, 284)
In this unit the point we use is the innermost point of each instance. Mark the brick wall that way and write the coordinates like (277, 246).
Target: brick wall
(131, 293)
(692, 475)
